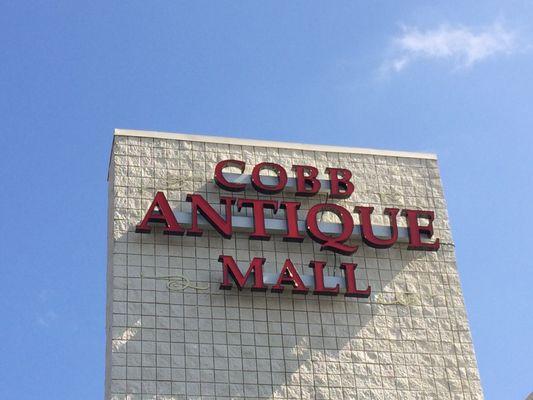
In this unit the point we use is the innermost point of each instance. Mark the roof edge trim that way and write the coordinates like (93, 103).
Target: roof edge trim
(269, 143)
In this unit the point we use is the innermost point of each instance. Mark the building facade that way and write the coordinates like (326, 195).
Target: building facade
(244, 269)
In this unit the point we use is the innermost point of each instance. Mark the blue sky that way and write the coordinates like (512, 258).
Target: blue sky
(452, 78)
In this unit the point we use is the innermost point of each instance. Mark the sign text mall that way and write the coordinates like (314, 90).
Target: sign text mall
(307, 184)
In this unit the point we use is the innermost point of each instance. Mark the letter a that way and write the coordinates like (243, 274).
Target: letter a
(163, 215)
(289, 276)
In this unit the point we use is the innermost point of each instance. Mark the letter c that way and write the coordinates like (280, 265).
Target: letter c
(222, 182)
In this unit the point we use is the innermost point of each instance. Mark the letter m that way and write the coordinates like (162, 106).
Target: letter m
(230, 269)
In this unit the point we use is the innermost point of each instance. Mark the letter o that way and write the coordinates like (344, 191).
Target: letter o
(269, 189)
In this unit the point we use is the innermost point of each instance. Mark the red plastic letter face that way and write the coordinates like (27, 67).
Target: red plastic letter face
(306, 182)
(163, 215)
(258, 207)
(230, 269)
(269, 189)
(222, 182)
(415, 240)
(351, 285)
(199, 204)
(289, 276)
(341, 187)
(366, 227)
(333, 243)
(291, 217)
(320, 288)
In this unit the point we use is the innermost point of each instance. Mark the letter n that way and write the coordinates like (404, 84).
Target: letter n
(199, 204)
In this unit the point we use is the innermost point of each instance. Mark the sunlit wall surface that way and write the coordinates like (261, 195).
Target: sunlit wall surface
(172, 333)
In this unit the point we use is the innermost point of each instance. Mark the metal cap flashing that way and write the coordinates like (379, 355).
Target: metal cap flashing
(269, 143)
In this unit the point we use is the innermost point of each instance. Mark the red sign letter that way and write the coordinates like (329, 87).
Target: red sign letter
(269, 189)
(333, 243)
(306, 185)
(229, 268)
(289, 276)
(223, 182)
(341, 187)
(259, 215)
(366, 227)
(163, 215)
(291, 217)
(198, 203)
(415, 241)
(318, 272)
(351, 286)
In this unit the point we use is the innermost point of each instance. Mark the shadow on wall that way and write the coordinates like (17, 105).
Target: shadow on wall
(197, 341)
(178, 336)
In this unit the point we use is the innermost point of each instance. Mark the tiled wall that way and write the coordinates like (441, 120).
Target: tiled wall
(215, 344)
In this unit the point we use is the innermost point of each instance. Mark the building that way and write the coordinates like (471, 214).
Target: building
(306, 292)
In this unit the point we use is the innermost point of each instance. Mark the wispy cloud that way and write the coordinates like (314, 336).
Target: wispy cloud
(461, 45)
(47, 319)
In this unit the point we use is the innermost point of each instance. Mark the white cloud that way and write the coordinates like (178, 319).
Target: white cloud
(461, 45)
